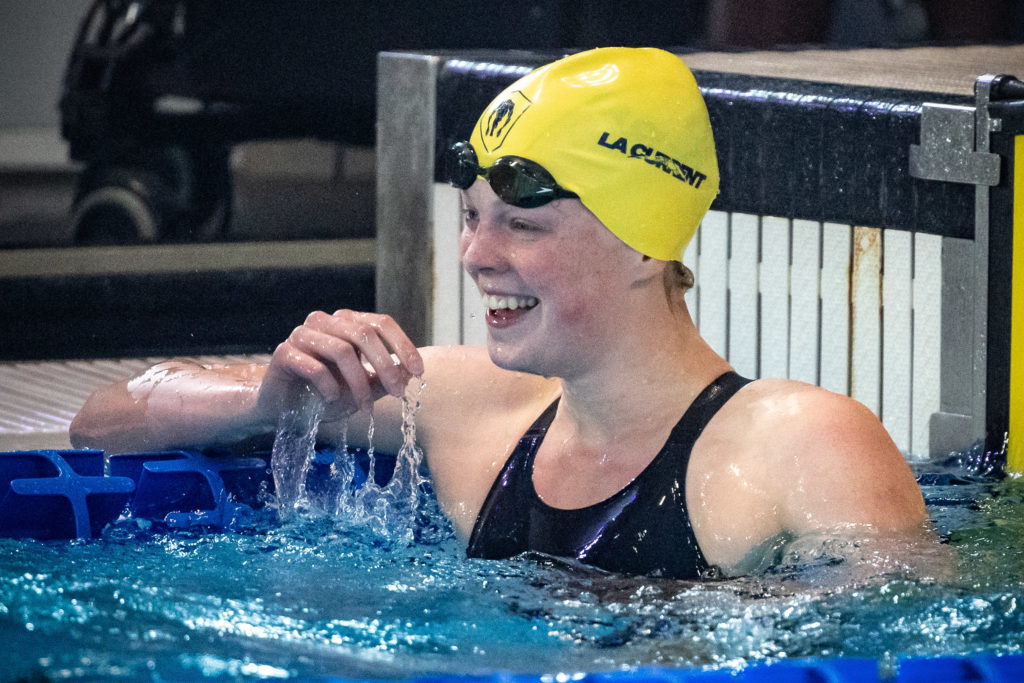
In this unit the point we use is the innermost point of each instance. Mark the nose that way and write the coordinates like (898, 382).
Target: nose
(482, 249)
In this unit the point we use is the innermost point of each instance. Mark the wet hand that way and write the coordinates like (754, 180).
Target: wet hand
(350, 359)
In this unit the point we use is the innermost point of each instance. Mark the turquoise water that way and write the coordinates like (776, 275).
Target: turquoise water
(322, 596)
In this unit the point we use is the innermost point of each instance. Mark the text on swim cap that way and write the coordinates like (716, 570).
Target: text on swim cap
(673, 167)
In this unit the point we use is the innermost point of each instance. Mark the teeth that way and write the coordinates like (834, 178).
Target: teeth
(509, 302)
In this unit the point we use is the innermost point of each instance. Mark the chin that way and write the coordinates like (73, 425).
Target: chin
(509, 358)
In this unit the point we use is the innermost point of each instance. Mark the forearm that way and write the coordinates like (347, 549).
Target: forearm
(348, 359)
(173, 405)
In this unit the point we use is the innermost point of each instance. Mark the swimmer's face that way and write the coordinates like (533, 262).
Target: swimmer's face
(552, 279)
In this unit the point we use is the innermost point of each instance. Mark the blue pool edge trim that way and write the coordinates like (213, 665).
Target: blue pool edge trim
(981, 668)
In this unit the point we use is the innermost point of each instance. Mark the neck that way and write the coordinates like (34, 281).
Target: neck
(669, 364)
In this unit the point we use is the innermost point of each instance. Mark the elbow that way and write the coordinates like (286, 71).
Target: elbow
(82, 432)
(78, 432)
(87, 429)
(106, 426)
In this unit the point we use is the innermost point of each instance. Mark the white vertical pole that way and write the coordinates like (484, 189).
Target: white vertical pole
(447, 308)
(927, 321)
(866, 304)
(897, 339)
(714, 273)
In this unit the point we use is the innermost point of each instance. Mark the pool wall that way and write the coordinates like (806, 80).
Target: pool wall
(854, 187)
(53, 494)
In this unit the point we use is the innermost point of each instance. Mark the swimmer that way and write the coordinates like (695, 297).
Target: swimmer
(597, 425)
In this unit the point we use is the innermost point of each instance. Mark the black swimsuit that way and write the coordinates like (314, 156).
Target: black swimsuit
(644, 529)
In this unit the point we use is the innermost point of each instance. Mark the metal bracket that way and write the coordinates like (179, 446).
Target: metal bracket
(955, 146)
(948, 150)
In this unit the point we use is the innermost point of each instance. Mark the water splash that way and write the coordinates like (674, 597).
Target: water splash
(294, 444)
(389, 510)
(331, 476)
(318, 599)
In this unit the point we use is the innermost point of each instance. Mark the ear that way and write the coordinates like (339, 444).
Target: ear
(648, 268)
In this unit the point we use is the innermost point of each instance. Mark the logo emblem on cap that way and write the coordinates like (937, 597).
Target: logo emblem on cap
(501, 119)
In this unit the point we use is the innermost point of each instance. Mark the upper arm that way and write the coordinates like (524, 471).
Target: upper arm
(852, 494)
(789, 461)
(784, 461)
(842, 470)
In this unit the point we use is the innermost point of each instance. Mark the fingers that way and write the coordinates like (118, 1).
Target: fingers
(350, 359)
(329, 366)
(379, 341)
(400, 345)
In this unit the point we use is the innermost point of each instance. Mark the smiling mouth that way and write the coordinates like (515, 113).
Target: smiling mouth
(509, 303)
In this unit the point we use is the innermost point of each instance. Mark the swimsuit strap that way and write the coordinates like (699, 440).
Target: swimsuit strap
(644, 528)
(539, 429)
(515, 473)
(707, 404)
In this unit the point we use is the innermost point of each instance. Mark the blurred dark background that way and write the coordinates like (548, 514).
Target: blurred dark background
(316, 180)
(285, 151)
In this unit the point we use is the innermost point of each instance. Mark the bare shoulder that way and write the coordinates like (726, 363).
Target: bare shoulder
(817, 424)
(833, 461)
(784, 459)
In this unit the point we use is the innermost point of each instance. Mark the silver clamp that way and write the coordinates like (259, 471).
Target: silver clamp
(955, 142)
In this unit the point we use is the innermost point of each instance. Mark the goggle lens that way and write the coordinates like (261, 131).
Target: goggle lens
(519, 182)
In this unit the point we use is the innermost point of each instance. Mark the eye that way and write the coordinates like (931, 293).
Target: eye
(519, 225)
(470, 217)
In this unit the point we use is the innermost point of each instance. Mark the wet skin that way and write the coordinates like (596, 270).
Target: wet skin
(571, 312)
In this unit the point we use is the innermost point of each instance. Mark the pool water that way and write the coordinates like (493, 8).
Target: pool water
(322, 595)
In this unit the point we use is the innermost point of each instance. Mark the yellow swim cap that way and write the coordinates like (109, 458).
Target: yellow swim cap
(626, 129)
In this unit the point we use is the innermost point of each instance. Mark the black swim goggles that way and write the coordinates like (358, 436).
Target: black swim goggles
(517, 181)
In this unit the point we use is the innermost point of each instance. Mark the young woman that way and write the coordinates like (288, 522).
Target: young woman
(597, 424)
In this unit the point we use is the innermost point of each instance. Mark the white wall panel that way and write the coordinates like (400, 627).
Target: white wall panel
(927, 321)
(897, 339)
(713, 293)
(835, 308)
(805, 302)
(866, 319)
(446, 325)
(774, 297)
(743, 281)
